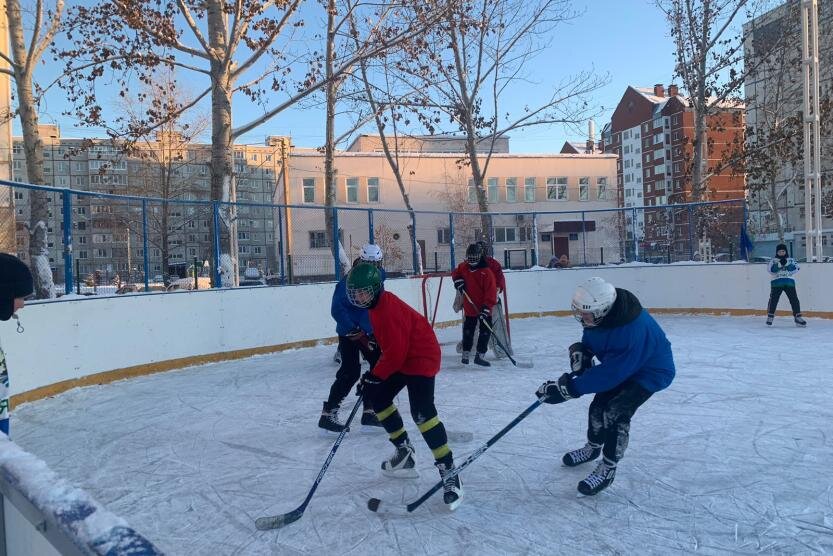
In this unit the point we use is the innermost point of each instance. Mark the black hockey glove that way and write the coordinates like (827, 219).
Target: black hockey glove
(556, 391)
(372, 345)
(368, 385)
(460, 285)
(581, 358)
(485, 313)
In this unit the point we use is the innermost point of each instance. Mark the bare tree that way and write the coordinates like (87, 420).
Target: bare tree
(709, 61)
(25, 57)
(470, 64)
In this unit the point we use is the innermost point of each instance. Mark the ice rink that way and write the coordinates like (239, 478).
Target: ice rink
(734, 457)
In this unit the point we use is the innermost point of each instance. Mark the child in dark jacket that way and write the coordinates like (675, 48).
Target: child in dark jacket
(782, 269)
(635, 362)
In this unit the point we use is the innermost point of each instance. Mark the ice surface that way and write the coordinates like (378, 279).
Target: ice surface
(734, 457)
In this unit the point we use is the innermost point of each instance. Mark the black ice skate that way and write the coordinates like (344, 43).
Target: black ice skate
(370, 420)
(478, 360)
(599, 479)
(402, 464)
(452, 486)
(465, 359)
(799, 321)
(329, 419)
(586, 453)
(769, 319)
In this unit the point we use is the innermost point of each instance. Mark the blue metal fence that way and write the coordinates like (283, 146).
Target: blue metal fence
(179, 241)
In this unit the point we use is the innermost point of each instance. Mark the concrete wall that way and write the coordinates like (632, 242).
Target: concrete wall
(66, 343)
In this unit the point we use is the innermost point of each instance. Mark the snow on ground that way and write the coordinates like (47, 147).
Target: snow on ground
(734, 457)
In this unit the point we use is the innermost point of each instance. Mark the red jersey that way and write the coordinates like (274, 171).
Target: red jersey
(406, 339)
(497, 270)
(480, 285)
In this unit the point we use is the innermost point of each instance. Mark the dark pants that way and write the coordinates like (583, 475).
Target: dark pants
(350, 370)
(469, 326)
(775, 295)
(609, 419)
(423, 412)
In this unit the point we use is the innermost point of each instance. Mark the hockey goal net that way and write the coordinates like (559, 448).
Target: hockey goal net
(438, 294)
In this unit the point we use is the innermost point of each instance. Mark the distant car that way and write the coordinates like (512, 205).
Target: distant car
(251, 282)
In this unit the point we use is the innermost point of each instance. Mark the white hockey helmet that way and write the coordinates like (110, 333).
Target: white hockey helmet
(592, 301)
(371, 253)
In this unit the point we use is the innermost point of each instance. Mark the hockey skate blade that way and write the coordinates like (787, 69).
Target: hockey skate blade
(401, 473)
(277, 521)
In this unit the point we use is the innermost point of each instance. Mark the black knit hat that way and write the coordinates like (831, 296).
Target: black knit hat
(781, 246)
(15, 282)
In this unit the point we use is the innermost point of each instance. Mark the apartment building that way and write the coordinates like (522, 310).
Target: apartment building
(108, 234)
(774, 93)
(651, 133)
(437, 178)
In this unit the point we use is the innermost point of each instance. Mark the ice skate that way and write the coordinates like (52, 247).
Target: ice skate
(800, 322)
(586, 453)
(402, 464)
(452, 486)
(465, 359)
(769, 320)
(599, 479)
(370, 422)
(328, 421)
(479, 360)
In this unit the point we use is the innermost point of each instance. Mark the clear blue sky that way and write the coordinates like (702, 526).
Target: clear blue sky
(626, 39)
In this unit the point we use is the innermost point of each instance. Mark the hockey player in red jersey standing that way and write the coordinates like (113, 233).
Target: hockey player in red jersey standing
(410, 359)
(476, 283)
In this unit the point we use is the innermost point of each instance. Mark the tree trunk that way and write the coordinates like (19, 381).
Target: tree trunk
(33, 148)
(331, 91)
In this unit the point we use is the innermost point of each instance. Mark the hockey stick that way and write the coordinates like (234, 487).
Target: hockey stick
(281, 520)
(374, 503)
(525, 365)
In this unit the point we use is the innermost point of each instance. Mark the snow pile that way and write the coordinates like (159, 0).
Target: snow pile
(90, 527)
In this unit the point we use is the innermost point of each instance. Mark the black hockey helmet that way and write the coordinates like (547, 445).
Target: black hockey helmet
(474, 254)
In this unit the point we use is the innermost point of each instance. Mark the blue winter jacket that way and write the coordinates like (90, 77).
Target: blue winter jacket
(783, 274)
(347, 315)
(629, 345)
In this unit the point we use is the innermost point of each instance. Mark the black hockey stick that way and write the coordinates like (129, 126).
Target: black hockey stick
(524, 365)
(374, 503)
(278, 521)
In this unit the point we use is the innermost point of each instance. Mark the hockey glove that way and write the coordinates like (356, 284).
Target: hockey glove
(581, 358)
(460, 285)
(556, 391)
(485, 313)
(368, 385)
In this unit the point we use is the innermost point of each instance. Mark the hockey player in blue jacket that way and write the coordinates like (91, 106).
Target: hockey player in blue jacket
(782, 269)
(635, 361)
(355, 336)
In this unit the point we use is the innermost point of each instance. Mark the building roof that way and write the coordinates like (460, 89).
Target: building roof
(648, 93)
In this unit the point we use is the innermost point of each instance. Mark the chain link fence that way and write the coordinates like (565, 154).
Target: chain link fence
(104, 243)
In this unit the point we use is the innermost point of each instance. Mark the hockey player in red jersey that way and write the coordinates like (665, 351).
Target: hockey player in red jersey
(410, 359)
(476, 283)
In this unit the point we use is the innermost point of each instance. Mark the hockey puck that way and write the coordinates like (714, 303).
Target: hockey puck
(373, 504)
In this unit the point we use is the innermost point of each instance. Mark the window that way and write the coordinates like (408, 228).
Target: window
(676, 136)
(103, 253)
(583, 189)
(82, 239)
(257, 250)
(242, 235)
(494, 193)
(678, 167)
(506, 235)
(511, 190)
(309, 190)
(444, 236)
(626, 149)
(82, 225)
(82, 254)
(649, 157)
(18, 195)
(352, 190)
(526, 233)
(372, 190)
(657, 122)
(529, 190)
(660, 185)
(557, 189)
(675, 119)
(601, 193)
(239, 155)
(254, 156)
(658, 139)
(318, 239)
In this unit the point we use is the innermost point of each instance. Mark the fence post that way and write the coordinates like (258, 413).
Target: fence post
(602, 255)
(336, 246)
(534, 239)
(280, 247)
(196, 275)
(635, 239)
(215, 209)
(78, 273)
(690, 240)
(145, 244)
(583, 239)
(68, 242)
(370, 226)
(414, 243)
(451, 239)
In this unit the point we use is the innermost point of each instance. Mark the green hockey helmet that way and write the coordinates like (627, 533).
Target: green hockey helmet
(364, 284)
